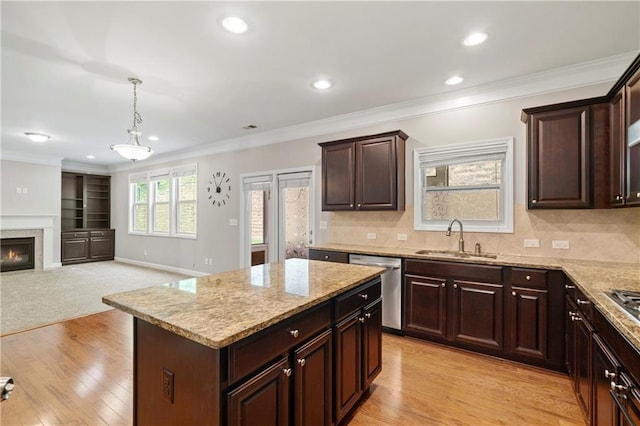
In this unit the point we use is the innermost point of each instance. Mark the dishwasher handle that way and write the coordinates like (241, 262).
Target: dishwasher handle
(381, 265)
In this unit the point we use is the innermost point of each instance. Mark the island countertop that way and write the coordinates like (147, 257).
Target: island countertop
(218, 310)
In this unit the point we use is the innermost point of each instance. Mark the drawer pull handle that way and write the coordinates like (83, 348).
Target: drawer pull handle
(609, 375)
(582, 302)
(294, 333)
(364, 296)
(287, 372)
(302, 362)
(618, 388)
(569, 287)
(368, 315)
(528, 278)
(361, 320)
(576, 318)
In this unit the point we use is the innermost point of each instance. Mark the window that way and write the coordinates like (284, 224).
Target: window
(164, 202)
(472, 182)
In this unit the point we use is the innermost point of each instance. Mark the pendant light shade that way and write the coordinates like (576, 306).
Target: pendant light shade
(133, 150)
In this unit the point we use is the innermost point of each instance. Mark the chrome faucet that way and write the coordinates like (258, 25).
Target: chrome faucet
(461, 240)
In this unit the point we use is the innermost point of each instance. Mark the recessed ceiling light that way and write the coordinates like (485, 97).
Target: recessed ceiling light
(91, 157)
(154, 138)
(475, 39)
(235, 25)
(452, 81)
(322, 84)
(37, 137)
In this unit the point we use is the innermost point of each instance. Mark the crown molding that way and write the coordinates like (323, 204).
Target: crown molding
(25, 157)
(605, 70)
(72, 166)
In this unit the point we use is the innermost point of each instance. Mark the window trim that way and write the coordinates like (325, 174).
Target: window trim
(150, 177)
(470, 150)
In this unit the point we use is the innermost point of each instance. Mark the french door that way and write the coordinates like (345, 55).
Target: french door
(277, 216)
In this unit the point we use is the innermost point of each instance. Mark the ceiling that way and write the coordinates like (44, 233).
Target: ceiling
(65, 64)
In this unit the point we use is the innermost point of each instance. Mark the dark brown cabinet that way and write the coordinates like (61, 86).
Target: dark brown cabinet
(329, 256)
(455, 303)
(605, 368)
(358, 346)
(617, 150)
(85, 218)
(633, 152)
(364, 173)
(559, 159)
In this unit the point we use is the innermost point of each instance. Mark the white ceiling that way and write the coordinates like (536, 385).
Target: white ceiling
(65, 64)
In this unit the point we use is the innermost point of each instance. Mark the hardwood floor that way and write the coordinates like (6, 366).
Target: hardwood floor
(80, 372)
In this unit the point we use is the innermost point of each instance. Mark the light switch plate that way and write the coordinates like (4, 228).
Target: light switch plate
(532, 243)
(560, 244)
(402, 237)
(233, 222)
(323, 224)
(371, 236)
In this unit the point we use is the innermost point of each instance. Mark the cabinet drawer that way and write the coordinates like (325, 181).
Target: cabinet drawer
(105, 233)
(329, 256)
(463, 271)
(530, 278)
(74, 234)
(249, 354)
(357, 298)
(584, 304)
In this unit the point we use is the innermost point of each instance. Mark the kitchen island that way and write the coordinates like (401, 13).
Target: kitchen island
(293, 342)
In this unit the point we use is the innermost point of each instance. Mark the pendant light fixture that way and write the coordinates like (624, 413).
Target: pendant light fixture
(133, 150)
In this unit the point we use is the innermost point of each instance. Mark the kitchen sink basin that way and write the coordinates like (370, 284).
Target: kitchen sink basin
(457, 254)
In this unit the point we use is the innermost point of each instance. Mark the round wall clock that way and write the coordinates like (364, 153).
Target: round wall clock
(219, 189)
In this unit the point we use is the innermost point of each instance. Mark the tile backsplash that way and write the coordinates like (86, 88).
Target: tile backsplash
(607, 235)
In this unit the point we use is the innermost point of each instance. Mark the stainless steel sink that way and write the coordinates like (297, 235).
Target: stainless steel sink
(457, 254)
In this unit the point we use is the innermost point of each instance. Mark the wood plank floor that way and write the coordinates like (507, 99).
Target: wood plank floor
(80, 372)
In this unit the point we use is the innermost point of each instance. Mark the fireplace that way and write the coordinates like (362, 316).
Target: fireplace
(17, 254)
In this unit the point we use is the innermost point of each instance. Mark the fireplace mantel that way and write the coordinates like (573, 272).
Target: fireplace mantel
(46, 223)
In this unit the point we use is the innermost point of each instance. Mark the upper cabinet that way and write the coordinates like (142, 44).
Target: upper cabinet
(364, 173)
(582, 154)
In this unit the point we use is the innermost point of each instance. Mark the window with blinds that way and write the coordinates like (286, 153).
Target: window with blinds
(164, 202)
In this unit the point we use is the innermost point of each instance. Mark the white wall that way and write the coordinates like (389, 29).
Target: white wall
(220, 241)
(43, 184)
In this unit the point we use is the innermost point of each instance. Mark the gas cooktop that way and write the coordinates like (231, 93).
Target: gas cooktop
(628, 301)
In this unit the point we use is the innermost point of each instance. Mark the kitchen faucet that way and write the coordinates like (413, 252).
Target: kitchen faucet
(461, 240)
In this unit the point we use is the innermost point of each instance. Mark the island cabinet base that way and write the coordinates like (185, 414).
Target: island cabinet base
(307, 369)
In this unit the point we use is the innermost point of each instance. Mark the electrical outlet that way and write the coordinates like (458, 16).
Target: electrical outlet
(531, 243)
(323, 224)
(371, 236)
(167, 385)
(233, 222)
(18, 190)
(25, 190)
(402, 237)
(560, 244)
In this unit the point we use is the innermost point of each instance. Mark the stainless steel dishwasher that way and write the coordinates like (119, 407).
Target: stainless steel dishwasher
(391, 288)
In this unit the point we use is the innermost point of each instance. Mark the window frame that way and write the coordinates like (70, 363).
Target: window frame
(151, 178)
(427, 156)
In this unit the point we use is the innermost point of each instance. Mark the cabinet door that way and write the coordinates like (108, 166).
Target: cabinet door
(583, 357)
(371, 343)
(263, 399)
(313, 380)
(425, 306)
(348, 370)
(632, 103)
(605, 368)
(75, 249)
(570, 339)
(477, 314)
(528, 322)
(376, 182)
(101, 247)
(559, 169)
(338, 177)
(617, 147)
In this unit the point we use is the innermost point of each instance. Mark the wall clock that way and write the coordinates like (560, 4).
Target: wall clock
(219, 189)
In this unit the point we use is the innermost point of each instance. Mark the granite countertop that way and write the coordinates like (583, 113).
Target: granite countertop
(592, 277)
(218, 310)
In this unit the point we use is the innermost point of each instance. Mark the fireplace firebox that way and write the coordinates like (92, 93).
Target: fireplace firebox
(17, 254)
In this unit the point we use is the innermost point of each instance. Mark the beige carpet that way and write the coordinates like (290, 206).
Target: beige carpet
(30, 299)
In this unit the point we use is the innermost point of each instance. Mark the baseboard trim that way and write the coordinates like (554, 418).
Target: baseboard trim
(161, 267)
(50, 266)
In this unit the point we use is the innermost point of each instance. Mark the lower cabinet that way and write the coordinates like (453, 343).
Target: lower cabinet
(358, 349)
(87, 246)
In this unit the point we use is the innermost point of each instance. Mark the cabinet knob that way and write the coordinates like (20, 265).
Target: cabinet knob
(513, 293)
(443, 285)
(368, 315)
(576, 318)
(534, 201)
(569, 287)
(286, 371)
(528, 278)
(364, 296)
(608, 374)
(582, 302)
(361, 320)
(359, 205)
(326, 257)
(302, 362)
(619, 198)
(455, 286)
(618, 388)
(637, 194)
(350, 205)
(294, 333)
